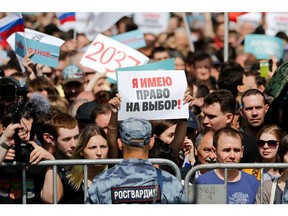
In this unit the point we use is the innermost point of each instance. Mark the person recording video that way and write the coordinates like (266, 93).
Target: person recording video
(7, 139)
(19, 112)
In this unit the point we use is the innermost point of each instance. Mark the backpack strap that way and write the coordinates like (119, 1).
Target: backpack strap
(273, 190)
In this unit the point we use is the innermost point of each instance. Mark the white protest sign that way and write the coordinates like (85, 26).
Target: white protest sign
(106, 54)
(152, 94)
(276, 22)
(253, 18)
(154, 23)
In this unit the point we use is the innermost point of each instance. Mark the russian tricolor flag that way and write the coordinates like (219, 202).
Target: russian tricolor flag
(10, 24)
(66, 17)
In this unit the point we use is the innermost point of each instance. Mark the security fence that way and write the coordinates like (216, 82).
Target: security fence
(219, 191)
(85, 163)
(192, 191)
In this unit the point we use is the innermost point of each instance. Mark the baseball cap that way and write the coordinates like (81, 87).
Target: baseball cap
(85, 111)
(192, 121)
(135, 129)
(72, 73)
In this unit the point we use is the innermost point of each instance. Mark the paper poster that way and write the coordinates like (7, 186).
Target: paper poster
(154, 23)
(152, 94)
(264, 47)
(106, 54)
(46, 47)
(134, 39)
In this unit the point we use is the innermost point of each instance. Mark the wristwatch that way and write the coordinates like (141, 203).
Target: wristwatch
(4, 145)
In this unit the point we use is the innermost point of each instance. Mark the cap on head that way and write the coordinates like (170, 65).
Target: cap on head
(72, 73)
(135, 132)
(84, 111)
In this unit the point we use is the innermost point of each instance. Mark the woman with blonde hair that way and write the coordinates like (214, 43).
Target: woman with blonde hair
(92, 144)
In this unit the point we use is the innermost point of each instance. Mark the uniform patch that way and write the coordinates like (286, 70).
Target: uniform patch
(136, 194)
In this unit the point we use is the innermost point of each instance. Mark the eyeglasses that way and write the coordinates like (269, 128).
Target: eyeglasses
(271, 143)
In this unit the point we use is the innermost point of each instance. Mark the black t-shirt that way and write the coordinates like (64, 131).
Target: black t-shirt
(71, 195)
(251, 152)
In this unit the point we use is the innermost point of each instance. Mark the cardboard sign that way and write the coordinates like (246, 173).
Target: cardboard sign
(106, 54)
(263, 47)
(134, 39)
(152, 94)
(43, 53)
(207, 194)
(46, 48)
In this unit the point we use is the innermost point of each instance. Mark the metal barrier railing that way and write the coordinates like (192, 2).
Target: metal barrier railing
(85, 163)
(260, 166)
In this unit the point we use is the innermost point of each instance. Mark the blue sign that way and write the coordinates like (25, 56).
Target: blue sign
(46, 54)
(263, 46)
(167, 64)
(134, 39)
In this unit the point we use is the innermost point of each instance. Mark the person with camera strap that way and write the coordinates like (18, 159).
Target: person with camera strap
(7, 141)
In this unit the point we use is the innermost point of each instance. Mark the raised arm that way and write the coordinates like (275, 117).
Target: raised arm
(180, 131)
(112, 133)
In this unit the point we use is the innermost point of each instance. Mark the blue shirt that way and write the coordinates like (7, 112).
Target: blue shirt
(242, 191)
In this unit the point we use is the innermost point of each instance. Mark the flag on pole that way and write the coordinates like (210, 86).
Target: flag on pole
(66, 17)
(91, 23)
(10, 24)
(233, 15)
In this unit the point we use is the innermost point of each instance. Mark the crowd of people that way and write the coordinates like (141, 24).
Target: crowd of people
(71, 112)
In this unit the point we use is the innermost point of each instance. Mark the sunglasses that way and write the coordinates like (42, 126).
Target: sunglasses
(271, 143)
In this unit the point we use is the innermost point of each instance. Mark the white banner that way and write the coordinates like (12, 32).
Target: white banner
(105, 54)
(154, 23)
(276, 22)
(152, 94)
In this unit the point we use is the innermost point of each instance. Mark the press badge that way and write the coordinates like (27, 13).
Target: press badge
(136, 194)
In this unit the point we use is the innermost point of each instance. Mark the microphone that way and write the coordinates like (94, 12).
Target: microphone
(38, 105)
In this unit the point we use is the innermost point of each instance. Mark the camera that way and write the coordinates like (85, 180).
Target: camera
(16, 97)
(23, 152)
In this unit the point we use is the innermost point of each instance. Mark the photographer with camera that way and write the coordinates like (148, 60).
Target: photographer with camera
(7, 140)
(23, 112)
(29, 154)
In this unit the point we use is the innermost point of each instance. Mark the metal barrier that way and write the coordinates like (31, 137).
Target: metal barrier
(260, 166)
(85, 163)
